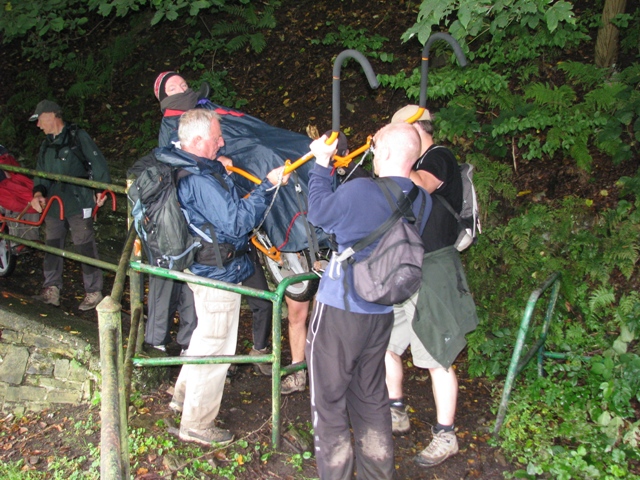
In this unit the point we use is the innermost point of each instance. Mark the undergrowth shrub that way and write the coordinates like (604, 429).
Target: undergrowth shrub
(358, 39)
(579, 421)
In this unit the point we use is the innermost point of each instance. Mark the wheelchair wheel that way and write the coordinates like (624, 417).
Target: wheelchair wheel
(293, 263)
(7, 257)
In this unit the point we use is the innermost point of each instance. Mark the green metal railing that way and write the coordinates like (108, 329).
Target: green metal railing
(117, 364)
(63, 178)
(518, 363)
(274, 357)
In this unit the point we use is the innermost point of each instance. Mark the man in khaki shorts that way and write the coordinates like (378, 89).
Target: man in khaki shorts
(443, 307)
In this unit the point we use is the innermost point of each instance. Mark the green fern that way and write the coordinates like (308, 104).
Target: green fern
(584, 74)
(606, 98)
(600, 298)
(557, 97)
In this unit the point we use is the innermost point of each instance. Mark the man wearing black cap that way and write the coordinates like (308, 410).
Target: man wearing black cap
(68, 150)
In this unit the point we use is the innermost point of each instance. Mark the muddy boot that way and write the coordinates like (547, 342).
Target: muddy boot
(296, 382)
(91, 301)
(443, 446)
(50, 295)
(207, 436)
(261, 368)
(400, 420)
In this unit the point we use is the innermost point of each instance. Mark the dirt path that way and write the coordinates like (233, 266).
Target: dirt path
(246, 409)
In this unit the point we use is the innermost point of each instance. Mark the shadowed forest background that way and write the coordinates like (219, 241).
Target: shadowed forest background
(547, 109)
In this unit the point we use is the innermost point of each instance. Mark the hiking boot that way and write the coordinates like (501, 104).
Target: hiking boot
(296, 382)
(261, 368)
(91, 301)
(50, 295)
(443, 446)
(400, 420)
(207, 436)
(175, 406)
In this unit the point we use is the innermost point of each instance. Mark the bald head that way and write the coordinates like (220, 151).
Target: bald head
(397, 147)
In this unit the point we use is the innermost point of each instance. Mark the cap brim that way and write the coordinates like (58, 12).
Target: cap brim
(33, 117)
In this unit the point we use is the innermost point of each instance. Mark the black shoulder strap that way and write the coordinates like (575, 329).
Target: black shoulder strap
(448, 206)
(72, 132)
(221, 181)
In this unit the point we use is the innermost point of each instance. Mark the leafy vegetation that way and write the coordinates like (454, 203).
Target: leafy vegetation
(187, 460)
(529, 97)
(357, 39)
(521, 99)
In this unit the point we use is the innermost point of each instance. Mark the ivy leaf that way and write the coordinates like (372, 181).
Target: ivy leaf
(197, 6)
(604, 419)
(559, 12)
(157, 17)
(626, 335)
(598, 368)
(57, 24)
(464, 15)
(620, 346)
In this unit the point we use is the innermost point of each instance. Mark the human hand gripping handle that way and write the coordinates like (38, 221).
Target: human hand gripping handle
(38, 202)
(277, 176)
(323, 152)
(100, 199)
(225, 161)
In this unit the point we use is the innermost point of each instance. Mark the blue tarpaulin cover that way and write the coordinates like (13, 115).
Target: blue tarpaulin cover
(257, 147)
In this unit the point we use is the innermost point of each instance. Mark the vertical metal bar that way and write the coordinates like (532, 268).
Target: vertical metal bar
(553, 298)
(515, 358)
(276, 338)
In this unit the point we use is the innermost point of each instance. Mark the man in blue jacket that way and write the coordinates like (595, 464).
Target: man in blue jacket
(210, 199)
(347, 335)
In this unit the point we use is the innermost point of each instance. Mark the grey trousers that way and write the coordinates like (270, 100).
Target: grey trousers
(165, 298)
(84, 240)
(261, 309)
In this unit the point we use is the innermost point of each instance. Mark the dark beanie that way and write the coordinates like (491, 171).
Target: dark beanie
(158, 86)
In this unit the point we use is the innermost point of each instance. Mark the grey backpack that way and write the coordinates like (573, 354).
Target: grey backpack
(469, 217)
(393, 271)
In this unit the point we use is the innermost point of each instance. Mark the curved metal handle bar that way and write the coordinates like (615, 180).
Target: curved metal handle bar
(425, 61)
(113, 203)
(42, 215)
(425, 67)
(337, 68)
(335, 130)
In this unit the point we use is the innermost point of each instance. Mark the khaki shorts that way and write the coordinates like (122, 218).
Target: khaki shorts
(403, 335)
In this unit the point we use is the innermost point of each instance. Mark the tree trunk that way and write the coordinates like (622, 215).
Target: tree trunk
(607, 41)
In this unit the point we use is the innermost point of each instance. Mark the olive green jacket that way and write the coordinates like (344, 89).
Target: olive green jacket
(57, 157)
(445, 310)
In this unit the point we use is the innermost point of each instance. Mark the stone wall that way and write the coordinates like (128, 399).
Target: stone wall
(44, 366)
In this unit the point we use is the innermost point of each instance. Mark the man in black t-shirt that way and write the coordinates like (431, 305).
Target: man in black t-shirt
(440, 301)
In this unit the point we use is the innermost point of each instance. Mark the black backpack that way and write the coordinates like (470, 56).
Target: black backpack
(163, 226)
(158, 218)
(392, 273)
